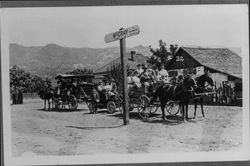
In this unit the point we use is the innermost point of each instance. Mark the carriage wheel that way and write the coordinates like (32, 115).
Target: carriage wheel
(172, 108)
(92, 107)
(72, 102)
(143, 109)
(111, 107)
(153, 109)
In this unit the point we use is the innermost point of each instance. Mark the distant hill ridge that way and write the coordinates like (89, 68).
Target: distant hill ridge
(53, 59)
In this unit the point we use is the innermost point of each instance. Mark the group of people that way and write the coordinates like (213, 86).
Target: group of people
(144, 72)
(107, 85)
(106, 88)
(146, 76)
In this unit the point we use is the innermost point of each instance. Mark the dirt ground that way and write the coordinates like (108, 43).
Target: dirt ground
(39, 132)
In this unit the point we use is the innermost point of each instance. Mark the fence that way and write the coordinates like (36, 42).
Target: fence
(225, 95)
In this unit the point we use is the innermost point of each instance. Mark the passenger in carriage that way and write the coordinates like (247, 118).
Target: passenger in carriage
(113, 86)
(147, 78)
(135, 80)
(74, 87)
(163, 74)
(58, 88)
(100, 86)
(139, 70)
(62, 86)
(101, 91)
(110, 88)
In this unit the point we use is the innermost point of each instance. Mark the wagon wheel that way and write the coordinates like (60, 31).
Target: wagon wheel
(154, 107)
(72, 102)
(143, 109)
(172, 108)
(111, 107)
(92, 107)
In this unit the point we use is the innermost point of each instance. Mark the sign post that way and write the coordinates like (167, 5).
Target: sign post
(124, 81)
(121, 35)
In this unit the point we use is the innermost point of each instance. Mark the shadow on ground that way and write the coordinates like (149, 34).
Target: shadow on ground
(95, 127)
(63, 110)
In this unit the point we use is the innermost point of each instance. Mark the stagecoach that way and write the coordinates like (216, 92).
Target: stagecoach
(74, 89)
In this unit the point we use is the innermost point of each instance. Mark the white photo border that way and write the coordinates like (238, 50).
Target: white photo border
(109, 159)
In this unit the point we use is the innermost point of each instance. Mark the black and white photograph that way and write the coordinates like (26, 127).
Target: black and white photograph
(125, 84)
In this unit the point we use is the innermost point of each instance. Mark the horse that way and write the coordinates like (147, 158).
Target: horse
(181, 92)
(201, 88)
(47, 96)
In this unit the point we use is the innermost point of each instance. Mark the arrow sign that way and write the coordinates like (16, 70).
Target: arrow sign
(123, 33)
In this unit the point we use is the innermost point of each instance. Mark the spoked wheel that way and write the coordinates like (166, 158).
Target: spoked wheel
(143, 107)
(172, 107)
(92, 107)
(153, 109)
(111, 107)
(72, 102)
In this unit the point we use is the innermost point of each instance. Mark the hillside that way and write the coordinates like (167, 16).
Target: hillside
(52, 59)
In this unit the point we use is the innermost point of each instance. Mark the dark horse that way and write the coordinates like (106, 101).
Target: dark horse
(47, 95)
(181, 92)
(201, 88)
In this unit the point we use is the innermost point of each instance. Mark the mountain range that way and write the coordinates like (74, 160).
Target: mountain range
(53, 59)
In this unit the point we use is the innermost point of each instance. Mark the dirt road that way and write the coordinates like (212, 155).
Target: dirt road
(35, 131)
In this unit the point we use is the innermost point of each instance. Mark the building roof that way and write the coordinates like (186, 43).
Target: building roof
(132, 64)
(71, 76)
(220, 59)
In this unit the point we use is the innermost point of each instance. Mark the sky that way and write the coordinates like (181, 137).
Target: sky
(200, 25)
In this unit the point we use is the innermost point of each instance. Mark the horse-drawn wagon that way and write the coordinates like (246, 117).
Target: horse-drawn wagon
(140, 98)
(173, 98)
(73, 89)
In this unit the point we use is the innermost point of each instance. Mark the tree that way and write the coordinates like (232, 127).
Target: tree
(19, 79)
(22, 81)
(161, 55)
(115, 73)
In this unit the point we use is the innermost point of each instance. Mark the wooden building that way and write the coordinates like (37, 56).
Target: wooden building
(224, 65)
(133, 59)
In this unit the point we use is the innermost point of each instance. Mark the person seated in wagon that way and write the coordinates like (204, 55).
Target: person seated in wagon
(139, 70)
(147, 78)
(101, 91)
(163, 74)
(134, 80)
